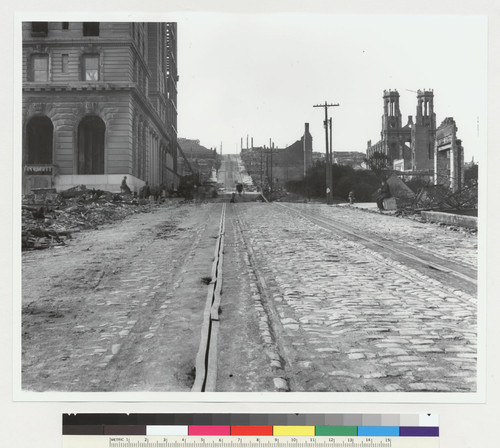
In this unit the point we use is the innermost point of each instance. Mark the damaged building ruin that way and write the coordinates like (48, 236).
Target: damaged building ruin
(418, 148)
(449, 156)
(99, 102)
(279, 165)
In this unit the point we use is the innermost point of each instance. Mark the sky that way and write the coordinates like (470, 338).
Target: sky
(260, 75)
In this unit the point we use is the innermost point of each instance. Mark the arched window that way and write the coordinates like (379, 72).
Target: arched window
(39, 136)
(91, 132)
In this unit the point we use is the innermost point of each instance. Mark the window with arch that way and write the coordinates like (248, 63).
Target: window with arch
(39, 138)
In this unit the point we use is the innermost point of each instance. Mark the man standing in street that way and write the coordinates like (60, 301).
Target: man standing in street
(384, 192)
(124, 187)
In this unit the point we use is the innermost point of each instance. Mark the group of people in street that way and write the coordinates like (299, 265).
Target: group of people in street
(384, 192)
(145, 192)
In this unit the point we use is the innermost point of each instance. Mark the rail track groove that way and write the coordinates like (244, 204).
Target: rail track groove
(206, 359)
(467, 275)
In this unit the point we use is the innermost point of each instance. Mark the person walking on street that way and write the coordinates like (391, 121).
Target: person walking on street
(351, 197)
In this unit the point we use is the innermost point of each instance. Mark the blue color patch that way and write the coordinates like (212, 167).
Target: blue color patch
(378, 431)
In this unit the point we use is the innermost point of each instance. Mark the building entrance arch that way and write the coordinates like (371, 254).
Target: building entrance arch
(39, 136)
(91, 131)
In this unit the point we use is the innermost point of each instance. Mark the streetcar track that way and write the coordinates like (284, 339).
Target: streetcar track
(206, 359)
(390, 240)
(334, 225)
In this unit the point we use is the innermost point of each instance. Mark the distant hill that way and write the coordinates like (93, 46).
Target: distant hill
(192, 146)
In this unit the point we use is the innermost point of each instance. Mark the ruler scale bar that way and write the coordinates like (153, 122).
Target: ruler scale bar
(74, 441)
(250, 431)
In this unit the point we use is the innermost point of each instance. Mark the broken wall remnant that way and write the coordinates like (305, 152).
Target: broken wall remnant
(448, 156)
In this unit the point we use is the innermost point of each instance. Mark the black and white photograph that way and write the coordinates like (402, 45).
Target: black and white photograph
(252, 203)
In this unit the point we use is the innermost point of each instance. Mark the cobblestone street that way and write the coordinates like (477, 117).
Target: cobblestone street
(303, 308)
(119, 308)
(352, 320)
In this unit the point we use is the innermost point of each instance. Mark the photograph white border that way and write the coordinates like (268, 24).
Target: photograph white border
(356, 397)
(462, 424)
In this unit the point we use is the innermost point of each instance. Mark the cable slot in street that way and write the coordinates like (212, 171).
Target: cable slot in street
(206, 359)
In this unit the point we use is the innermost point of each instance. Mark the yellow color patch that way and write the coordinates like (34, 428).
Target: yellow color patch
(294, 430)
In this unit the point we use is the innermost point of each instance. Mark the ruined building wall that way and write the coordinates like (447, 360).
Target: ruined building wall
(448, 156)
(393, 135)
(287, 163)
(410, 147)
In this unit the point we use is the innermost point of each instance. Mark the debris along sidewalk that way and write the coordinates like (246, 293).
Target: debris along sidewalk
(49, 219)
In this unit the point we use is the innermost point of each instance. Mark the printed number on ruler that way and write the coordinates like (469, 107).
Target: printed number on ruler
(248, 442)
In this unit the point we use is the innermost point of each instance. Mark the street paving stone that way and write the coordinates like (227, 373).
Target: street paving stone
(336, 299)
(460, 246)
(138, 298)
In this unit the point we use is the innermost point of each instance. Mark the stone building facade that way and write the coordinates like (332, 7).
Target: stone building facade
(409, 146)
(99, 103)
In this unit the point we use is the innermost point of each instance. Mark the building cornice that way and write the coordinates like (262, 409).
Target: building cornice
(73, 86)
(163, 128)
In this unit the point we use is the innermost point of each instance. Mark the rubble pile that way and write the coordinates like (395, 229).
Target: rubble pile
(49, 219)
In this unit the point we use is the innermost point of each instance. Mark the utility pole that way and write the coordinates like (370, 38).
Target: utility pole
(271, 149)
(261, 168)
(329, 185)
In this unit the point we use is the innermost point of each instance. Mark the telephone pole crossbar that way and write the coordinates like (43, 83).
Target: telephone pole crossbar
(329, 153)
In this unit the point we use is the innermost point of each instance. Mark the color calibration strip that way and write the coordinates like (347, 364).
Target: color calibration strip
(278, 425)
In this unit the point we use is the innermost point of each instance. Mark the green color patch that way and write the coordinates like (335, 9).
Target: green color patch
(336, 430)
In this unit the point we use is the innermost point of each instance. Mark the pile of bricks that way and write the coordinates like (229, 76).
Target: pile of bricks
(49, 219)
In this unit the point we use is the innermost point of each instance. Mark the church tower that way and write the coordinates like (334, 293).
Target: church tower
(424, 132)
(391, 125)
